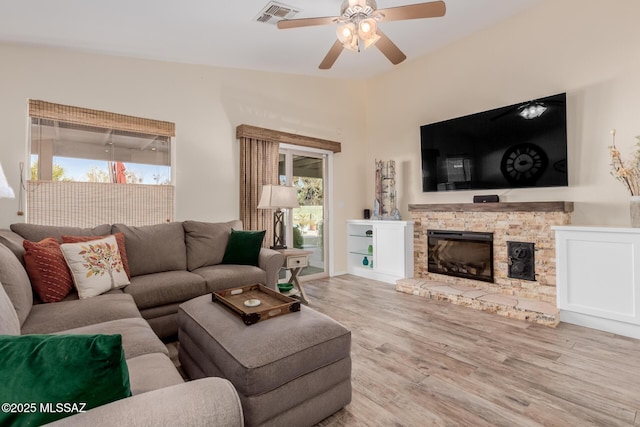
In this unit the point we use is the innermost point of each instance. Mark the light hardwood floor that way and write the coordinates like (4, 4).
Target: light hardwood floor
(418, 362)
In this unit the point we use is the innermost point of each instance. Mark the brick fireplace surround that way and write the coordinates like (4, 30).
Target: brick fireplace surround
(534, 301)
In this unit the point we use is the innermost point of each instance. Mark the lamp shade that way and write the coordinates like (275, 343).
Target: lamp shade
(278, 197)
(5, 191)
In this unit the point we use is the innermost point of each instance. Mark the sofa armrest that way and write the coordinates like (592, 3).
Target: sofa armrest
(270, 261)
(204, 402)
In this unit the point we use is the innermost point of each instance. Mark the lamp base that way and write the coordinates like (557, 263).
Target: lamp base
(278, 230)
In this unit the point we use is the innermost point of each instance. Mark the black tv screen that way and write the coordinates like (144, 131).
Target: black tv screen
(518, 146)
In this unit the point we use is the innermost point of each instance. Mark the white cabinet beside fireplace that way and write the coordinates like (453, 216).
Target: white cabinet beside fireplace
(391, 257)
(598, 277)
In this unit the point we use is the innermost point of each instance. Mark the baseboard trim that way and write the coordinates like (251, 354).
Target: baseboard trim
(601, 324)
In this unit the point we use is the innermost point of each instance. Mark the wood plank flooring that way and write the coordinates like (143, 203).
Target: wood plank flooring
(418, 362)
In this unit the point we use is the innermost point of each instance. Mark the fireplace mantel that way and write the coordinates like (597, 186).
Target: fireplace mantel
(494, 207)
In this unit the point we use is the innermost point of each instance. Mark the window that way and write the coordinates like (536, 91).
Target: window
(72, 149)
(64, 150)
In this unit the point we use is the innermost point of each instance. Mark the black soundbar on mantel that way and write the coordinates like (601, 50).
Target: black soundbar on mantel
(489, 198)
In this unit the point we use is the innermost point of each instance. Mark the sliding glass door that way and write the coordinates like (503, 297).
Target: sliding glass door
(307, 225)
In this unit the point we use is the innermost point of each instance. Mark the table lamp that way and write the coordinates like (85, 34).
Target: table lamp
(6, 192)
(278, 197)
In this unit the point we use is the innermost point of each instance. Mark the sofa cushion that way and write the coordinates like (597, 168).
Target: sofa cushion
(151, 372)
(243, 247)
(55, 317)
(96, 266)
(47, 269)
(35, 233)
(137, 336)
(225, 276)
(121, 247)
(9, 322)
(16, 283)
(154, 248)
(152, 290)
(206, 241)
(69, 369)
(13, 241)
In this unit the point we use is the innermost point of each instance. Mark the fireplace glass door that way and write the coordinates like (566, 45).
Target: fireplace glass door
(461, 254)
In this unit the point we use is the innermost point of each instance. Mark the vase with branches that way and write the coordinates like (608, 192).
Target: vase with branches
(627, 172)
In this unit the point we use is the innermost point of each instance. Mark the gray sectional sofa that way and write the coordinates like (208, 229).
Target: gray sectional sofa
(158, 391)
(170, 263)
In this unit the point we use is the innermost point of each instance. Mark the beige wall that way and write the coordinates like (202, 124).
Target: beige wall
(205, 103)
(581, 47)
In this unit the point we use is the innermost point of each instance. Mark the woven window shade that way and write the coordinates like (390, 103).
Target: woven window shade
(98, 118)
(87, 204)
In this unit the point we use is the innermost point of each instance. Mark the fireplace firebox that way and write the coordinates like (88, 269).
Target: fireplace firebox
(461, 253)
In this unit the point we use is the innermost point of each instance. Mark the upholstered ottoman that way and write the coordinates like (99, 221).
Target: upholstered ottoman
(290, 370)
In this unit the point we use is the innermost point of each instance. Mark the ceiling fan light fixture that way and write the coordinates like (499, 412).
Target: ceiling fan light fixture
(368, 32)
(347, 36)
(367, 28)
(352, 45)
(371, 41)
(532, 111)
(346, 33)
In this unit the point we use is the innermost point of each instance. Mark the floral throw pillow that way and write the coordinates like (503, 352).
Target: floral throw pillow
(96, 266)
(119, 240)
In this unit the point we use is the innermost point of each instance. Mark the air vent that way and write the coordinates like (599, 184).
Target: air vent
(274, 12)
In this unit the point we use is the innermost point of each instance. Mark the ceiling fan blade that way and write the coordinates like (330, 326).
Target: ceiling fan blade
(306, 22)
(432, 9)
(389, 49)
(331, 56)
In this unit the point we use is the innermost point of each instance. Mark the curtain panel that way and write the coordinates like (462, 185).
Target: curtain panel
(258, 166)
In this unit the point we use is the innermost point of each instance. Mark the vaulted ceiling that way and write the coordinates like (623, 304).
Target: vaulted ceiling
(227, 33)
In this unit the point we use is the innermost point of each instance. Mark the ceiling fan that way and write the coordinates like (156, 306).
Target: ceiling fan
(358, 26)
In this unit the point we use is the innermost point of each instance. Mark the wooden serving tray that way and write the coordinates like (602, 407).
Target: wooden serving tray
(272, 303)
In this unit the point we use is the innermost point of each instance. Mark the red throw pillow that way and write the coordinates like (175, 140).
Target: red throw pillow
(47, 269)
(119, 240)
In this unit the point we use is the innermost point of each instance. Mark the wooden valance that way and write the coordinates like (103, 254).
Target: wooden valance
(98, 118)
(247, 131)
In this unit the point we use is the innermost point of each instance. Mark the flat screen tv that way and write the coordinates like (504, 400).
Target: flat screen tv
(518, 146)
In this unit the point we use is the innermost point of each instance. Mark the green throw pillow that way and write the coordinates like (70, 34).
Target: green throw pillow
(243, 247)
(48, 377)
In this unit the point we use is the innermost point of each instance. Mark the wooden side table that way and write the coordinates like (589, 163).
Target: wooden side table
(294, 261)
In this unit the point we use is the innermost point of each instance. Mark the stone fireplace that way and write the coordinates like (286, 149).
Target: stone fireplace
(520, 288)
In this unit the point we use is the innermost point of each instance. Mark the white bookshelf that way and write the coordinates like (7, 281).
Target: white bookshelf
(391, 257)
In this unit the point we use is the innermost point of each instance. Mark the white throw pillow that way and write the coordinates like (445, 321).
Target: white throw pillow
(96, 266)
